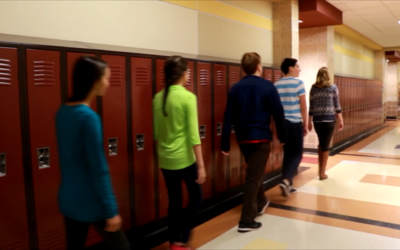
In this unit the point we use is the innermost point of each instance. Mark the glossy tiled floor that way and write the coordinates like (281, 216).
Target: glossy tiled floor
(358, 207)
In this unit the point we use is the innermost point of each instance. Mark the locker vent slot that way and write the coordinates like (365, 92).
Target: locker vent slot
(43, 156)
(3, 166)
(54, 239)
(116, 75)
(189, 82)
(112, 146)
(203, 132)
(162, 76)
(13, 245)
(44, 73)
(5, 72)
(140, 142)
(142, 76)
(220, 77)
(234, 77)
(204, 77)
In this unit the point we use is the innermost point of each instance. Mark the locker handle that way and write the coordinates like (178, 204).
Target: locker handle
(140, 142)
(3, 166)
(43, 156)
(112, 146)
(219, 129)
(202, 131)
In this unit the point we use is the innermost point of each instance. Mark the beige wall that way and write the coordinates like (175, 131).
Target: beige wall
(353, 58)
(392, 89)
(224, 29)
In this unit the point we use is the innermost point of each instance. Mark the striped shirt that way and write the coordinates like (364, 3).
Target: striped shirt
(290, 89)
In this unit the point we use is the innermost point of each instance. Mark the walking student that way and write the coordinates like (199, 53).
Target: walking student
(292, 94)
(176, 132)
(324, 106)
(86, 195)
(251, 102)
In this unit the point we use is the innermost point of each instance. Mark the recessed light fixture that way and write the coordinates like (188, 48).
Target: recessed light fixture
(399, 22)
(387, 60)
(300, 21)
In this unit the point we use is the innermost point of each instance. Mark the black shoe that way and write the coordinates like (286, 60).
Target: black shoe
(292, 190)
(262, 211)
(248, 227)
(285, 187)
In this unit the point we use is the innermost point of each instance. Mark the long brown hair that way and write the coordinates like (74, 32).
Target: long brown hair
(323, 79)
(174, 68)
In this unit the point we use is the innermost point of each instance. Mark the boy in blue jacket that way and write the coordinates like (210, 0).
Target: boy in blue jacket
(251, 102)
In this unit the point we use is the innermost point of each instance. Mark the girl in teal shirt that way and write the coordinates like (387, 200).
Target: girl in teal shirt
(86, 196)
(179, 149)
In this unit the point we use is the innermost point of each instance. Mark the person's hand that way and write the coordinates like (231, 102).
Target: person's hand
(305, 131)
(310, 127)
(225, 153)
(341, 126)
(201, 172)
(113, 224)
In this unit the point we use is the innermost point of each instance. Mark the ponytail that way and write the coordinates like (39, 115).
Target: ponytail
(174, 68)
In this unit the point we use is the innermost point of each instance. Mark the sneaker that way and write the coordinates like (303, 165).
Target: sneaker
(292, 190)
(265, 207)
(285, 187)
(178, 247)
(247, 227)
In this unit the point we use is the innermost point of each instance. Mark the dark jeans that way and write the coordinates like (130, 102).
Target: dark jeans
(293, 150)
(76, 234)
(256, 156)
(180, 222)
(324, 132)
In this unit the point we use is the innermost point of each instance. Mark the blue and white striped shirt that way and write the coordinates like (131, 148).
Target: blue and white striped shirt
(290, 89)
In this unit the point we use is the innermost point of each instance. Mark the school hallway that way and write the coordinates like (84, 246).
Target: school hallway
(357, 207)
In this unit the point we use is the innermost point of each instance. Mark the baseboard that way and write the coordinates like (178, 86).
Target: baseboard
(312, 151)
(154, 234)
(353, 140)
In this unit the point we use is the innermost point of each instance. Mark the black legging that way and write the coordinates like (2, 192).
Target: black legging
(324, 132)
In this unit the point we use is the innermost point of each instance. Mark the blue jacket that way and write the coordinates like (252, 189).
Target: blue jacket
(86, 192)
(251, 102)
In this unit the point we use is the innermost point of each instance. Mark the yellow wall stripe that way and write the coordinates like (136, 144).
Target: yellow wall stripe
(354, 35)
(227, 11)
(347, 52)
(191, 4)
(230, 12)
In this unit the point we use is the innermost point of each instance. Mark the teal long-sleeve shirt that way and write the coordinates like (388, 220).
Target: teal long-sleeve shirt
(85, 192)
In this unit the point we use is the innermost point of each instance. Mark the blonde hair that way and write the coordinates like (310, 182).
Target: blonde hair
(323, 79)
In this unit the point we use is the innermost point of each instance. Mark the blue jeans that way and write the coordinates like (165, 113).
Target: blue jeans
(293, 150)
(180, 222)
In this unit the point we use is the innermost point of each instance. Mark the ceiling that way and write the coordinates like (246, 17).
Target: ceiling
(377, 20)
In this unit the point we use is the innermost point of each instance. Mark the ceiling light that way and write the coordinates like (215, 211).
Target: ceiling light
(399, 22)
(387, 60)
(300, 21)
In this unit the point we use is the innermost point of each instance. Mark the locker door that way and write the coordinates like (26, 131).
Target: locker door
(14, 224)
(268, 74)
(220, 99)
(44, 99)
(234, 155)
(72, 57)
(142, 132)
(205, 123)
(190, 83)
(116, 134)
(160, 75)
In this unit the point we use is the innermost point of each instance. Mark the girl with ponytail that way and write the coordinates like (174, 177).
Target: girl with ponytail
(179, 149)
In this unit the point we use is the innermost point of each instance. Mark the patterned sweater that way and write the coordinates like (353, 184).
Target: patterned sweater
(324, 103)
